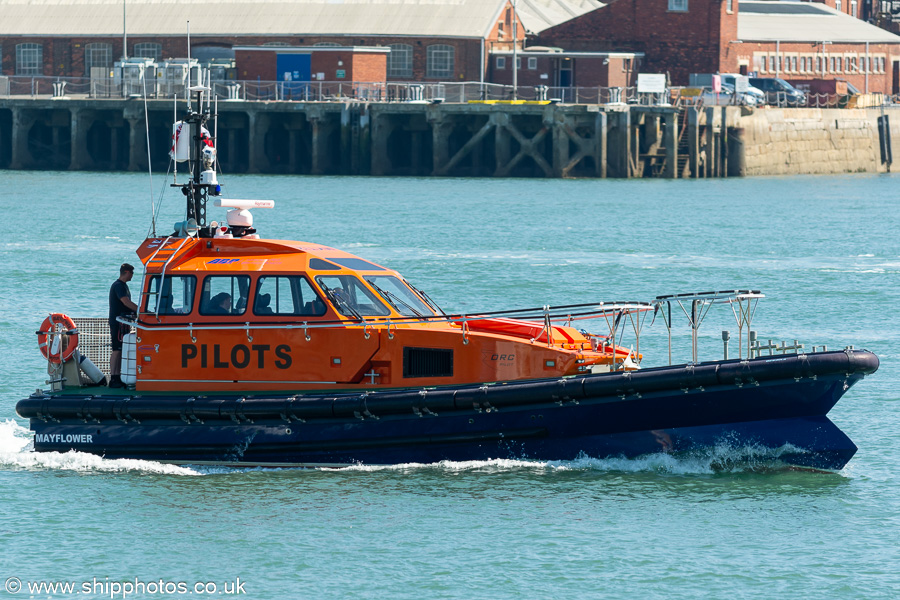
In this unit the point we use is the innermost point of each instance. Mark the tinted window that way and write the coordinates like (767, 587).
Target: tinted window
(357, 264)
(225, 295)
(286, 296)
(177, 297)
(350, 296)
(322, 265)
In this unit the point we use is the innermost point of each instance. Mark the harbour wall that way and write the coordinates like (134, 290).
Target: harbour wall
(475, 140)
(815, 141)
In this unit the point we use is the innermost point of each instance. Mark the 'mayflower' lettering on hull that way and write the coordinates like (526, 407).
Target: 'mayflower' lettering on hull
(58, 438)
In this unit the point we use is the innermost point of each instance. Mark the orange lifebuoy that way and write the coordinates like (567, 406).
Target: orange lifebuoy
(68, 333)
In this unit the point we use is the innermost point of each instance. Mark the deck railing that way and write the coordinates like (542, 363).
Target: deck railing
(407, 92)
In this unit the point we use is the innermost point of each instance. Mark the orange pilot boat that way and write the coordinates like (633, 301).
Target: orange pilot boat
(251, 351)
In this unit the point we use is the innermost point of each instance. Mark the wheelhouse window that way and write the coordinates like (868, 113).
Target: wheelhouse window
(350, 297)
(29, 59)
(439, 61)
(286, 296)
(400, 61)
(224, 295)
(97, 55)
(175, 298)
(148, 50)
(397, 293)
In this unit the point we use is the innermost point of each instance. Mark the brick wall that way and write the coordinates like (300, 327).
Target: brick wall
(65, 56)
(881, 79)
(369, 67)
(678, 43)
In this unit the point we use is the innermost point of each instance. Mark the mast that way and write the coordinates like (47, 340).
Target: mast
(202, 183)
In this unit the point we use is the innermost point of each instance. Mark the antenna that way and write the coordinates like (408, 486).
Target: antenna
(149, 156)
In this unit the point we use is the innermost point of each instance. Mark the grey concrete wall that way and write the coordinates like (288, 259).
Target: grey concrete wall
(815, 141)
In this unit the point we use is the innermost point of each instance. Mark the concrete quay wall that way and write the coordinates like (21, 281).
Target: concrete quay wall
(797, 141)
(472, 140)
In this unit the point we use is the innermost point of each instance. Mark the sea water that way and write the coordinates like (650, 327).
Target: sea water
(728, 523)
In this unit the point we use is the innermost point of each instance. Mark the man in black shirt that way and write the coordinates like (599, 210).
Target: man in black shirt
(119, 304)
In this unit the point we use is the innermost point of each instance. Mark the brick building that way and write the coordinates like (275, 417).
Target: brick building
(560, 68)
(436, 40)
(793, 40)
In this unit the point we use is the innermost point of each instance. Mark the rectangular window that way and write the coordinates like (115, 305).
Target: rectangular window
(519, 63)
(729, 6)
(853, 8)
(794, 64)
(97, 55)
(772, 63)
(148, 50)
(177, 297)
(678, 5)
(840, 64)
(400, 61)
(532, 63)
(439, 61)
(29, 59)
(837, 5)
(287, 296)
(224, 295)
(501, 62)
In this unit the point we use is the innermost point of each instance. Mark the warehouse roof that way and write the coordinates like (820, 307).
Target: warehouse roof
(432, 18)
(772, 20)
(538, 15)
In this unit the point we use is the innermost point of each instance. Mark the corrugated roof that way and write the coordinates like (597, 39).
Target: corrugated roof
(433, 18)
(538, 15)
(773, 20)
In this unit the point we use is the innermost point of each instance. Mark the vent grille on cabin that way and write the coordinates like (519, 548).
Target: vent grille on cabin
(427, 362)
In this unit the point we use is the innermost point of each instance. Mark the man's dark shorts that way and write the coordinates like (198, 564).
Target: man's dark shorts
(116, 332)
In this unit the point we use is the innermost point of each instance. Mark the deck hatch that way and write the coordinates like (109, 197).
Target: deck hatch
(427, 362)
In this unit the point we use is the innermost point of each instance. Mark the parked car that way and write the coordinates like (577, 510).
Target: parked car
(758, 94)
(778, 91)
(726, 97)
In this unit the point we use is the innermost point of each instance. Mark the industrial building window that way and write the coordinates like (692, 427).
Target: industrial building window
(148, 50)
(97, 55)
(794, 64)
(840, 64)
(678, 5)
(532, 62)
(853, 8)
(29, 59)
(400, 61)
(837, 5)
(772, 63)
(501, 62)
(439, 61)
(730, 6)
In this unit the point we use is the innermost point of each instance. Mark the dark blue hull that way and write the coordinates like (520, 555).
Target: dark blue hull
(773, 403)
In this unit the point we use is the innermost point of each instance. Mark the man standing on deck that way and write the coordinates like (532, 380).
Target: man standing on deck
(119, 304)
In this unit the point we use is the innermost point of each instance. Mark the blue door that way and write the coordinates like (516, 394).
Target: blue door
(293, 67)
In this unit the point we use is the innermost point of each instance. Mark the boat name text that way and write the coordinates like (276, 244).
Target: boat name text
(241, 356)
(58, 438)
